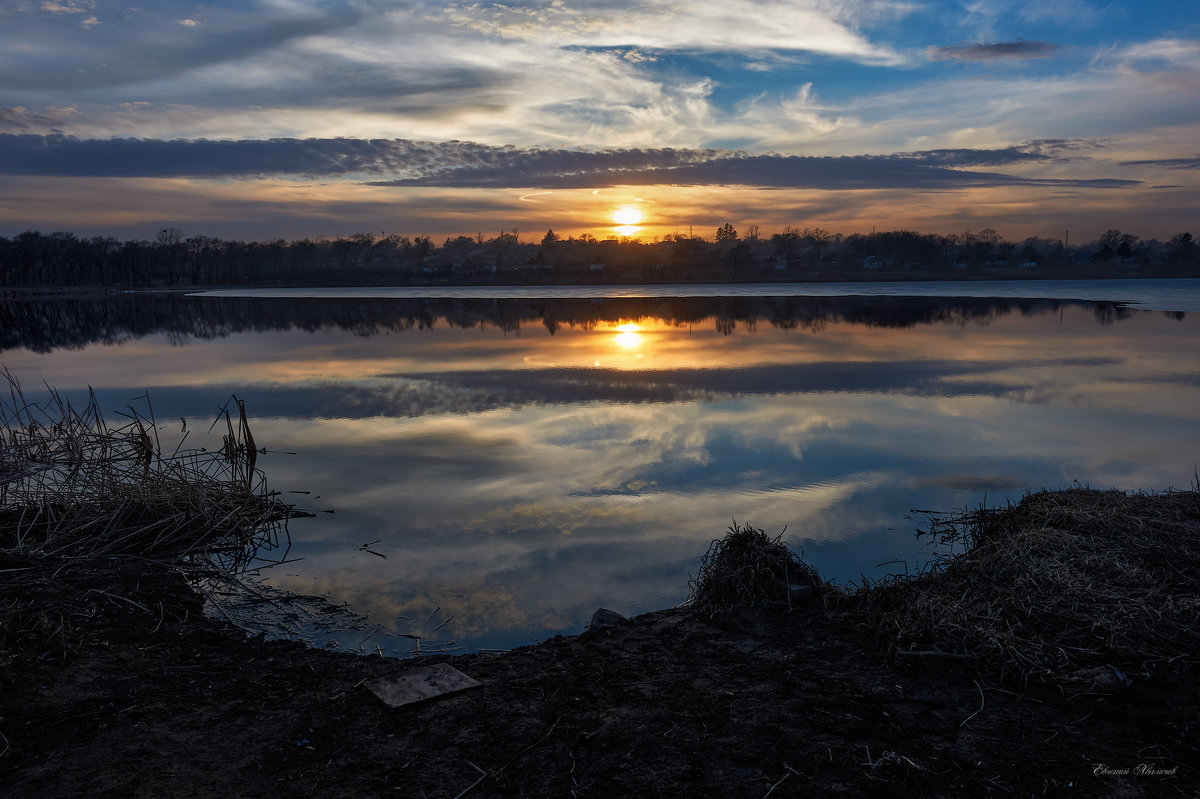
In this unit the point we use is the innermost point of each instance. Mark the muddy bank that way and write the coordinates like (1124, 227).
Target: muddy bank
(136, 693)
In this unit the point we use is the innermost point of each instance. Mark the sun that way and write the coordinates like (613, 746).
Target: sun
(628, 215)
(628, 220)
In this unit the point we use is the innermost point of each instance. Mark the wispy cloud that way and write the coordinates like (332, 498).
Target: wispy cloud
(734, 25)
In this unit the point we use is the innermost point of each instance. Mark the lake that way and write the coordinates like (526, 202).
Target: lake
(523, 459)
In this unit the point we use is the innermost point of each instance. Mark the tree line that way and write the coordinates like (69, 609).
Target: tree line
(175, 259)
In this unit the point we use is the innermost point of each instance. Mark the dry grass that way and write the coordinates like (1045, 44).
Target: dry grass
(1077, 588)
(79, 496)
(1060, 585)
(748, 569)
(72, 485)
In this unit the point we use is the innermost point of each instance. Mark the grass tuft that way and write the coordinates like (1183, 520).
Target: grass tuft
(748, 569)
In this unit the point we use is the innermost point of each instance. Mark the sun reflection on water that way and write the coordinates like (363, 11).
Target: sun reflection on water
(629, 336)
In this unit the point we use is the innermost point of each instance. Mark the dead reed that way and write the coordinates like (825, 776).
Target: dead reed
(1061, 587)
(79, 494)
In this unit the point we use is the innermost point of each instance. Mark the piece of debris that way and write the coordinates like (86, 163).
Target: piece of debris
(604, 618)
(1100, 680)
(367, 548)
(421, 684)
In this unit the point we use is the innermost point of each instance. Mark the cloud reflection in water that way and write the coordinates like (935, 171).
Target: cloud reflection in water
(523, 467)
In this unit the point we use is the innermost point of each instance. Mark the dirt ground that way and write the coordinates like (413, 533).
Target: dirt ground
(148, 698)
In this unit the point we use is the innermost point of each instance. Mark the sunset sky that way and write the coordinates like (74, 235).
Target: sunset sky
(261, 119)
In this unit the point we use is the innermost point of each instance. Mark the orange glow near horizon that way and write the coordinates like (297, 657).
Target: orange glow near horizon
(266, 209)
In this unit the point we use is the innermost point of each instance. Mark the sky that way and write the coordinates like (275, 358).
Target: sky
(265, 119)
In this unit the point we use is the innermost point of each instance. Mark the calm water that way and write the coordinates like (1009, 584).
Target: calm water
(524, 461)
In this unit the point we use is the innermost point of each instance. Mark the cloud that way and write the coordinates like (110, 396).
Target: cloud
(1156, 56)
(19, 118)
(696, 25)
(1167, 163)
(1076, 13)
(534, 73)
(961, 156)
(468, 164)
(615, 73)
(69, 6)
(1124, 92)
(780, 171)
(994, 51)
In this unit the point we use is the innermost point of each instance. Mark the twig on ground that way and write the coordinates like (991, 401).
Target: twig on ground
(981, 704)
(467, 790)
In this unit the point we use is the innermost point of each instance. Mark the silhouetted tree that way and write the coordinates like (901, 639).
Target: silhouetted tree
(737, 257)
(787, 243)
(1182, 252)
(818, 239)
(169, 245)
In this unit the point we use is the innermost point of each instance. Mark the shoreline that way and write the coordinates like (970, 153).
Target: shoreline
(141, 695)
(1167, 294)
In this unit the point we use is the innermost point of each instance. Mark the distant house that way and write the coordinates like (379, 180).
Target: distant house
(598, 267)
(470, 268)
(871, 262)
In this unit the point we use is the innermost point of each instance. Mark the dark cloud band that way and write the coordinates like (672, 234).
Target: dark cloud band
(1167, 163)
(994, 51)
(401, 162)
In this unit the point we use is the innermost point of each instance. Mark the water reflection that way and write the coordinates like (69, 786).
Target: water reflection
(44, 325)
(524, 462)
